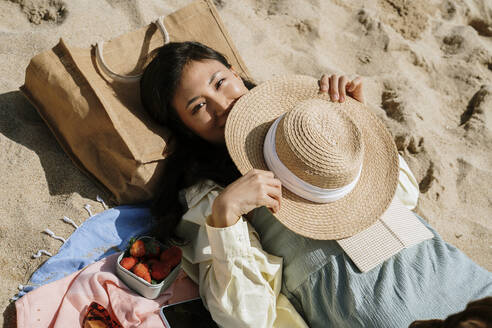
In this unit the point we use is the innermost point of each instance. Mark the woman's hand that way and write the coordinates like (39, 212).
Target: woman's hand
(256, 188)
(339, 86)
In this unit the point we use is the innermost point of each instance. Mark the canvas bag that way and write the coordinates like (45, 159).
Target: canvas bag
(97, 119)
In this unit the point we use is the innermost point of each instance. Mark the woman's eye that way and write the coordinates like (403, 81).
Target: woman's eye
(197, 108)
(219, 83)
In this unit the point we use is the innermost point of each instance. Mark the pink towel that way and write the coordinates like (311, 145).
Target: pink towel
(63, 303)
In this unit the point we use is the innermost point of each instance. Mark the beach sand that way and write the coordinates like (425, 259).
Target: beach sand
(427, 67)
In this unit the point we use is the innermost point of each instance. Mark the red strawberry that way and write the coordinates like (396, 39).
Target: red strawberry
(160, 270)
(152, 248)
(137, 249)
(151, 262)
(128, 262)
(142, 271)
(171, 256)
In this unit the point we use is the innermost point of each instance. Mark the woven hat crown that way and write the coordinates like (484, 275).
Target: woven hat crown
(320, 144)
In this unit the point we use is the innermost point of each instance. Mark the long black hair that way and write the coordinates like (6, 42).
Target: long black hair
(194, 159)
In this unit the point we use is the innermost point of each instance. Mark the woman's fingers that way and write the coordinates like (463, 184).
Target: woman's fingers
(264, 176)
(272, 198)
(271, 193)
(274, 182)
(269, 189)
(342, 84)
(333, 87)
(339, 86)
(323, 83)
(354, 84)
(355, 89)
(259, 174)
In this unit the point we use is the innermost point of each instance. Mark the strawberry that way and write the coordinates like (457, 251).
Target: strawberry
(142, 271)
(160, 270)
(151, 262)
(137, 249)
(128, 262)
(172, 256)
(152, 248)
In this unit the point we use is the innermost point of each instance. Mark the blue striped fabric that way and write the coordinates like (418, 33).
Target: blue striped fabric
(98, 237)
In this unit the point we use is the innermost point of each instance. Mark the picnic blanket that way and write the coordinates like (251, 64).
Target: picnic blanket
(83, 271)
(64, 302)
(99, 236)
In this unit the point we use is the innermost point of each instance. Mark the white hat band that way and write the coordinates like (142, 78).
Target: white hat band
(294, 183)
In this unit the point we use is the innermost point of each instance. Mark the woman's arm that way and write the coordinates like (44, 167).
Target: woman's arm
(241, 283)
(236, 285)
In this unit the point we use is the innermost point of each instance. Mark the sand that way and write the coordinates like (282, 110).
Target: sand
(428, 75)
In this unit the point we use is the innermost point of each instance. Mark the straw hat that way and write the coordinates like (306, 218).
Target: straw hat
(345, 157)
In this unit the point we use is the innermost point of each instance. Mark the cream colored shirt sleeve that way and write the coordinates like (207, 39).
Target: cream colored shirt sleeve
(407, 190)
(239, 282)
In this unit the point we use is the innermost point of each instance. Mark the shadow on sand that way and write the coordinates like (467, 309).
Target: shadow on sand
(20, 123)
(9, 316)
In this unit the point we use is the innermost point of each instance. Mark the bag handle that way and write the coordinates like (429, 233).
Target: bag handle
(126, 78)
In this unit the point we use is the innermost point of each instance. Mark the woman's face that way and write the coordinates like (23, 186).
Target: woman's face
(205, 95)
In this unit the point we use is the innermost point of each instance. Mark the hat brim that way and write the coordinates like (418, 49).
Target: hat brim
(245, 131)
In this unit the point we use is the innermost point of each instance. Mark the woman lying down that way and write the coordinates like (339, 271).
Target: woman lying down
(294, 202)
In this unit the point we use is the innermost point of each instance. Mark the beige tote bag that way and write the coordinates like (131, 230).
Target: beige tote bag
(90, 99)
